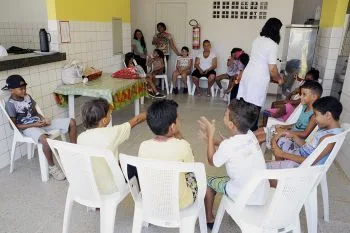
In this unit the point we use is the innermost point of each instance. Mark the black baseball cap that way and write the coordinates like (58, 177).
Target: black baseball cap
(14, 81)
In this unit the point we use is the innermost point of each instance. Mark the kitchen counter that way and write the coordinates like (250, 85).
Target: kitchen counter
(30, 59)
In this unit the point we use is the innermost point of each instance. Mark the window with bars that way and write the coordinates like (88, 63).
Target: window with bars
(225, 5)
(240, 9)
(234, 14)
(235, 5)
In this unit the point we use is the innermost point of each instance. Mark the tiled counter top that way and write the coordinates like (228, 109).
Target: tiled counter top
(30, 59)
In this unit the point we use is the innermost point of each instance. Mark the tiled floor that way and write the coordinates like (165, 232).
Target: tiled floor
(29, 206)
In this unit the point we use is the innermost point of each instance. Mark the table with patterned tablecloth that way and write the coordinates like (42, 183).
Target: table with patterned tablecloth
(118, 92)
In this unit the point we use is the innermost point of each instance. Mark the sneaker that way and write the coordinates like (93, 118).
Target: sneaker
(159, 96)
(56, 173)
(210, 225)
(185, 90)
(175, 90)
(151, 93)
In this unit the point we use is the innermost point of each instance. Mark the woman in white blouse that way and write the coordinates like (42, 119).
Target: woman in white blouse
(205, 65)
(261, 68)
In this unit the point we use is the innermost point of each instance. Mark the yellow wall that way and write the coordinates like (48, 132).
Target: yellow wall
(333, 13)
(88, 10)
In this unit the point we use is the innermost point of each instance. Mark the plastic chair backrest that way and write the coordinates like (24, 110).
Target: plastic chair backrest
(293, 118)
(176, 63)
(133, 61)
(338, 142)
(165, 67)
(159, 184)
(293, 188)
(4, 95)
(76, 161)
(3, 98)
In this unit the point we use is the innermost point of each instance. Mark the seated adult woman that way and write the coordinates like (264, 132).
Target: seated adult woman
(205, 64)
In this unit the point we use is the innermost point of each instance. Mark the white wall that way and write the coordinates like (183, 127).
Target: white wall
(343, 156)
(223, 33)
(23, 11)
(304, 9)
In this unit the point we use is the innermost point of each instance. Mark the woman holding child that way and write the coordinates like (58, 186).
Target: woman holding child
(261, 68)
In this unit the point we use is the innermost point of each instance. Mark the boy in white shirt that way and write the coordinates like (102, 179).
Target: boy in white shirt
(241, 155)
(96, 115)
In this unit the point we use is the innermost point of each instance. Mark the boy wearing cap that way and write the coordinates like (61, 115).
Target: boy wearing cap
(22, 111)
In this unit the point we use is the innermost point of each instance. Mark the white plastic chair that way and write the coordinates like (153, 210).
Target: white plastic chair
(77, 165)
(158, 201)
(292, 119)
(19, 137)
(164, 77)
(203, 83)
(311, 205)
(224, 83)
(189, 82)
(281, 212)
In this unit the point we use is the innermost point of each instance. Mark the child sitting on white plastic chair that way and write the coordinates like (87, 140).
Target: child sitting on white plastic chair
(183, 68)
(310, 92)
(241, 155)
(288, 155)
(96, 115)
(22, 110)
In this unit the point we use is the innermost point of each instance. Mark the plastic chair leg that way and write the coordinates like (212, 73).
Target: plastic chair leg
(138, 221)
(67, 212)
(171, 88)
(187, 224)
(212, 91)
(107, 217)
(166, 85)
(193, 90)
(297, 225)
(311, 212)
(12, 156)
(44, 166)
(324, 189)
(219, 215)
(189, 85)
(202, 219)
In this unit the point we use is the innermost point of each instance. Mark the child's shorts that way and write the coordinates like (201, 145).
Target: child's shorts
(61, 124)
(281, 164)
(218, 183)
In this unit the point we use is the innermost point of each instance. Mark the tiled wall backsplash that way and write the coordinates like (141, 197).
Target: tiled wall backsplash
(91, 43)
(24, 35)
(326, 55)
(42, 80)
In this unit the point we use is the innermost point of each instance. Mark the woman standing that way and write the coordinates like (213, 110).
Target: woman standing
(139, 49)
(262, 67)
(164, 41)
